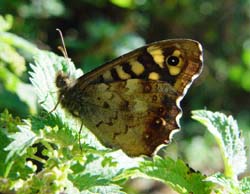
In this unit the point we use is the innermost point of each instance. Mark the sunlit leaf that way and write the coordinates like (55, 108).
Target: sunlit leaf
(114, 189)
(95, 175)
(6, 22)
(227, 134)
(246, 57)
(245, 80)
(227, 184)
(235, 72)
(123, 3)
(21, 140)
(43, 77)
(176, 174)
(245, 185)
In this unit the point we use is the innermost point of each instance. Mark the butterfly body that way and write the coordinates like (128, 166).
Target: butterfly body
(132, 102)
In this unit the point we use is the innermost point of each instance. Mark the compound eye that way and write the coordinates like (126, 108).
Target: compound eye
(62, 80)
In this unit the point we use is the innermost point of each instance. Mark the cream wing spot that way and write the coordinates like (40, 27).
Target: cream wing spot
(121, 73)
(174, 70)
(107, 76)
(177, 53)
(154, 76)
(136, 67)
(159, 59)
(157, 55)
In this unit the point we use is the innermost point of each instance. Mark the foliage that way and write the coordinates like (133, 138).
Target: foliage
(12, 67)
(42, 154)
(226, 133)
(96, 31)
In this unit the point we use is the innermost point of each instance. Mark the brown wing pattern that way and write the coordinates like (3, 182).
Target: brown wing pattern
(132, 102)
(151, 58)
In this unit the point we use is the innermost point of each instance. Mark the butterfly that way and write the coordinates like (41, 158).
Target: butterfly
(133, 101)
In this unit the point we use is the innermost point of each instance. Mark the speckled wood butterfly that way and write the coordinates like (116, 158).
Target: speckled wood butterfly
(133, 102)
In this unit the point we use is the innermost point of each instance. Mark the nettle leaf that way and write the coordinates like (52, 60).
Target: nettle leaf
(227, 134)
(114, 189)
(227, 184)
(92, 169)
(245, 185)
(101, 173)
(22, 140)
(176, 174)
(14, 155)
(43, 77)
(7, 125)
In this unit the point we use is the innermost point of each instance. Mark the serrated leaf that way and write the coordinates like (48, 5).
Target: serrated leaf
(227, 185)
(176, 174)
(21, 140)
(245, 185)
(8, 125)
(227, 134)
(43, 77)
(110, 189)
(97, 172)
(96, 175)
(3, 154)
(50, 124)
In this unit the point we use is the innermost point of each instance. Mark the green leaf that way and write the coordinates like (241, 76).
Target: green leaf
(235, 72)
(9, 55)
(246, 57)
(245, 80)
(12, 67)
(13, 163)
(227, 134)
(95, 175)
(7, 125)
(176, 174)
(114, 189)
(21, 140)
(13, 84)
(6, 23)
(245, 185)
(18, 43)
(227, 185)
(95, 167)
(43, 77)
(123, 3)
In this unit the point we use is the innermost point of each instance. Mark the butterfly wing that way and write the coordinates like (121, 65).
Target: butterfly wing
(132, 102)
(152, 58)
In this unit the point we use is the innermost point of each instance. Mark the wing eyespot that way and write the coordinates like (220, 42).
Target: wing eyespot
(173, 60)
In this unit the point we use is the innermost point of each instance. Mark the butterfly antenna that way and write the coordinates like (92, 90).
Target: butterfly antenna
(63, 48)
(65, 54)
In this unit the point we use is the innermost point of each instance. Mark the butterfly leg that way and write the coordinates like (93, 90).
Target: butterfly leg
(79, 136)
(58, 102)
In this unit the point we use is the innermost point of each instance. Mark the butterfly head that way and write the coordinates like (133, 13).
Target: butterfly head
(62, 80)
